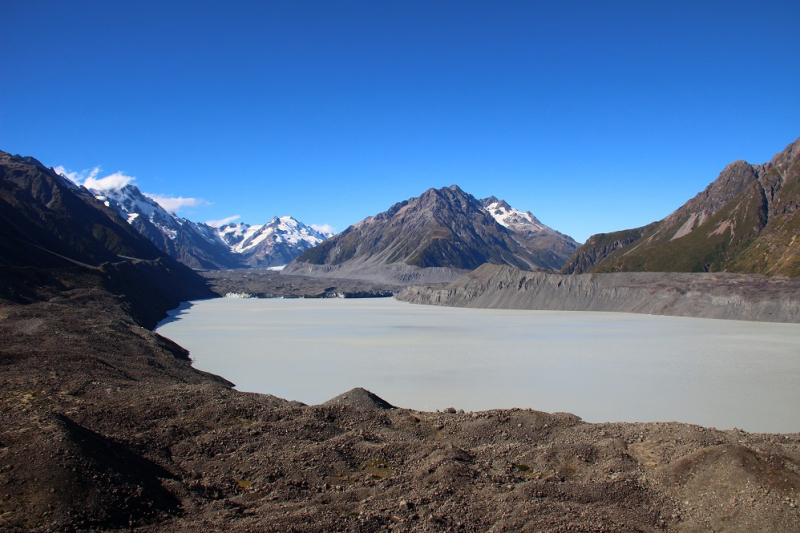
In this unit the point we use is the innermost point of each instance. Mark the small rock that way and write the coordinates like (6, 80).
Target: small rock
(451, 410)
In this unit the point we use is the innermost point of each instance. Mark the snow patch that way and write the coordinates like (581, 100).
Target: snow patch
(507, 216)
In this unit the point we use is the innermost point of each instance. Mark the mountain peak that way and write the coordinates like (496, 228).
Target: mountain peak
(444, 228)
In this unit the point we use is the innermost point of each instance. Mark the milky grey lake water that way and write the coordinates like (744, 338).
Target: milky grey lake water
(599, 366)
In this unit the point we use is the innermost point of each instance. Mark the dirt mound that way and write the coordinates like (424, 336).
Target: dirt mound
(361, 398)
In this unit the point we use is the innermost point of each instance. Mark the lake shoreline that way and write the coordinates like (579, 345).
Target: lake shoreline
(602, 366)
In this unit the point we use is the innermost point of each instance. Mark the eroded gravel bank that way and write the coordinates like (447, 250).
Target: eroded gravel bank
(728, 296)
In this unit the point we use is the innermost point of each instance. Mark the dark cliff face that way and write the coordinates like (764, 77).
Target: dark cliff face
(52, 233)
(48, 223)
(745, 221)
(442, 228)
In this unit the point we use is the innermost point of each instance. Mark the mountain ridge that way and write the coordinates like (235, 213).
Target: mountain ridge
(745, 221)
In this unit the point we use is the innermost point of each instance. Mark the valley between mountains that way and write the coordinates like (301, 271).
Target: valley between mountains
(106, 426)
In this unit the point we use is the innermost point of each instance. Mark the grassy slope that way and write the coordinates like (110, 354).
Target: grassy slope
(756, 232)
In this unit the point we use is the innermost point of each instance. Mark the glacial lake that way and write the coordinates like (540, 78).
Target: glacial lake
(599, 366)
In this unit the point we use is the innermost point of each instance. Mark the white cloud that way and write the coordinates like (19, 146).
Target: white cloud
(325, 229)
(222, 222)
(175, 203)
(112, 182)
(77, 177)
(118, 180)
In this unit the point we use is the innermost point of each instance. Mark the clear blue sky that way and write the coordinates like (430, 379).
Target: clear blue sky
(595, 116)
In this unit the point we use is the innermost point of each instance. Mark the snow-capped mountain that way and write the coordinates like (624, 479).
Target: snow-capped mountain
(195, 245)
(201, 246)
(272, 244)
(551, 247)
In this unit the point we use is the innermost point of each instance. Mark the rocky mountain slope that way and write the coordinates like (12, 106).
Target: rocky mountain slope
(53, 233)
(437, 236)
(703, 295)
(746, 221)
(195, 245)
(47, 221)
(201, 246)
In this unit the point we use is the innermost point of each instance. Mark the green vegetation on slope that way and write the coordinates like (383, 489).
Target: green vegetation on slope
(755, 231)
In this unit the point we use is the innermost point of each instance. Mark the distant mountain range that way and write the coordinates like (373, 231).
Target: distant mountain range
(201, 246)
(445, 229)
(746, 221)
(435, 237)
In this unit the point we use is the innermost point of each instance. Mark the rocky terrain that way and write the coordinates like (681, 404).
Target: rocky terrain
(550, 247)
(438, 236)
(746, 221)
(600, 246)
(729, 296)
